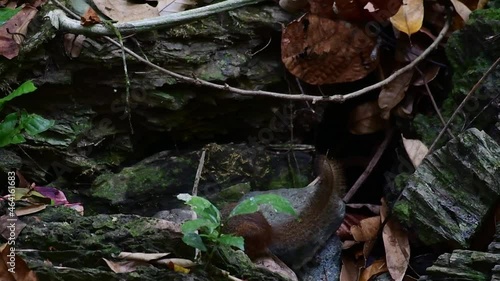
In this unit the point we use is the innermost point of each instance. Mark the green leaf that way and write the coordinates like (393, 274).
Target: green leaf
(251, 205)
(10, 131)
(35, 124)
(231, 240)
(26, 87)
(194, 225)
(6, 14)
(202, 207)
(194, 240)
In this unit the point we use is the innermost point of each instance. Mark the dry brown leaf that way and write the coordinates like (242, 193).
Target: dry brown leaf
(480, 4)
(396, 244)
(430, 72)
(365, 119)
(322, 51)
(166, 7)
(366, 10)
(349, 244)
(12, 33)
(377, 267)
(10, 226)
(22, 211)
(462, 10)
(90, 18)
(393, 93)
(124, 10)
(410, 16)
(142, 256)
(405, 107)
(125, 266)
(321, 8)
(367, 229)
(416, 150)
(368, 247)
(349, 270)
(17, 269)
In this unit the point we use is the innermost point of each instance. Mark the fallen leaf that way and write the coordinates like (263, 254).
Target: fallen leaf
(166, 7)
(462, 10)
(124, 10)
(377, 267)
(393, 93)
(22, 211)
(409, 17)
(178, 268)
(365, 119)
(16, 266)
(366, 230)
(366, 10)
(142, 256)
(350, 269)
(10, 226)
(125, 266)
(323, 51)
(405, 107)
(90, 18)
(396, 244)
(13, 32)
(416, 150)
(58, 197)
(429, 71)
(321, 8)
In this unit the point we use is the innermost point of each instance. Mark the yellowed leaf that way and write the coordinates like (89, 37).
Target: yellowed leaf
(396, 244)
(409, 17)
(22, 211)
(416, 150)
(377, 267)
(462, 10)
(393, 93)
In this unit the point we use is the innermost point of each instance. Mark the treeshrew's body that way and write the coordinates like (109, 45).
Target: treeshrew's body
(296, 241)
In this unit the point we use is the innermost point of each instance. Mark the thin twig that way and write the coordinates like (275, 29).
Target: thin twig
(373, 162)
(314, 99)
(198, 173)
(483, 109)
(467, 97)
(433, 101)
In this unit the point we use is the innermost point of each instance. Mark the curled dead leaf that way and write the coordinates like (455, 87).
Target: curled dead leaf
(323, 51)
(393, 93)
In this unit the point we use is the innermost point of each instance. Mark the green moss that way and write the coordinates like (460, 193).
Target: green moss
(402, 210)
(288, 179)
(137, 228)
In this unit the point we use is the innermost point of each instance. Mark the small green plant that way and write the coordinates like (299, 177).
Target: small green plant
(207, 227)
(15, 124)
